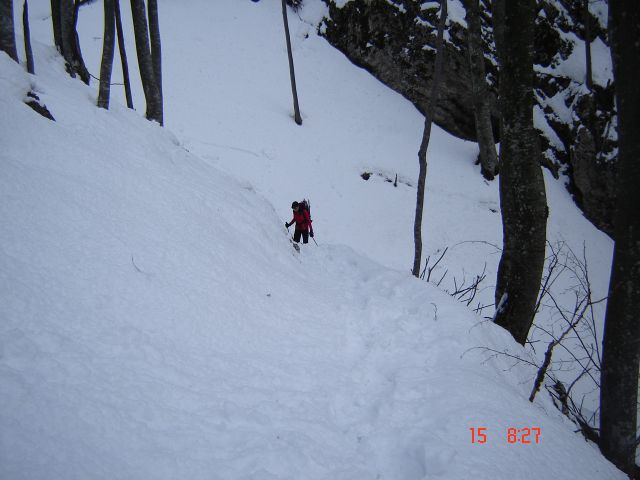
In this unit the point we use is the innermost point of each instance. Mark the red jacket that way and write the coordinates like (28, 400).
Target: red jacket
(302, 220)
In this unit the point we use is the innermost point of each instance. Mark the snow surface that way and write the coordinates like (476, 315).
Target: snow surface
(157, 322)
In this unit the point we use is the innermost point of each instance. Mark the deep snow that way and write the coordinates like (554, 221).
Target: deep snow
(157, 322)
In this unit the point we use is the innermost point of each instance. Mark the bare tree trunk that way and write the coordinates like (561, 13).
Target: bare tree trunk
(522, 190)
(28, 51)
(497, 18)
(106, 66)
(156, 51)
(141, 31)
(77, 52)
(68, 15)
(621, 344)
(123, 55)
(292, 73)
(56, 24)
(7, 30)
(66, 32)
(426, 136)
(587, 44)
(482, 113)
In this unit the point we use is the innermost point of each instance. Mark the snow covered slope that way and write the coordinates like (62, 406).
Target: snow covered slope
(156, 322)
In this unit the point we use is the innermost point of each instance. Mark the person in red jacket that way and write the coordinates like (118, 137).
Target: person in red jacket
(303, 223)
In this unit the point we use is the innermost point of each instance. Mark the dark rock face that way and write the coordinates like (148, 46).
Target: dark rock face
(594, 182)
(396, 47)
(394, 39)
(591, 159)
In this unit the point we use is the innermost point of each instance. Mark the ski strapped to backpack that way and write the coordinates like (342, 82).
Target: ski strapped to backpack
(306, 205)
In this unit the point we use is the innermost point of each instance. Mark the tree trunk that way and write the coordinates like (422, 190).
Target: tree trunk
(141, 31)
(426, 136)
(56, 25)
(522, 190)
(123, 55)
(80, 67)
(292, 73)
(621, 343)
(7, 29)
(587, 44)
(497, 18)
(106, 66)
(27, 38)
(156, 51)
(77, 53)
(66, 32)
(481, 110)
(68, 16)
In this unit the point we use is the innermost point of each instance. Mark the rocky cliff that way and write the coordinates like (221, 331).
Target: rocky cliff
(394, 40)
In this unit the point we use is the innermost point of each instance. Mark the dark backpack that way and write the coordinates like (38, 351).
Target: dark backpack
(305, 205)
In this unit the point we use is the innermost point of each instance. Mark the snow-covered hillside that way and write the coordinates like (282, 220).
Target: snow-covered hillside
(156, 322)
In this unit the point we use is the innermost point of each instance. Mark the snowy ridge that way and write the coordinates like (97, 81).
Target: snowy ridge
(156, 322)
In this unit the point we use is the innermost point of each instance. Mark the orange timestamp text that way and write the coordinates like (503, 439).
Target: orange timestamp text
(521, 436)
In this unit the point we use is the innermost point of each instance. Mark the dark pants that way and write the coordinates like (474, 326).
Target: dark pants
(305, 236)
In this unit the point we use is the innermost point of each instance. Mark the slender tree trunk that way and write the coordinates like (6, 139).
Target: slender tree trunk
(106, 66)
(497, 18)
(522, 190)
(426, 136)
(27, 38)
(587, 44)
(77, 52)
(141, 31)
(66, 32)
(68, 15)
(481, 110)
(123, 55)
(292, 73)
(156, 51)
(621, 344)
(7, 29)
(56, 24)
